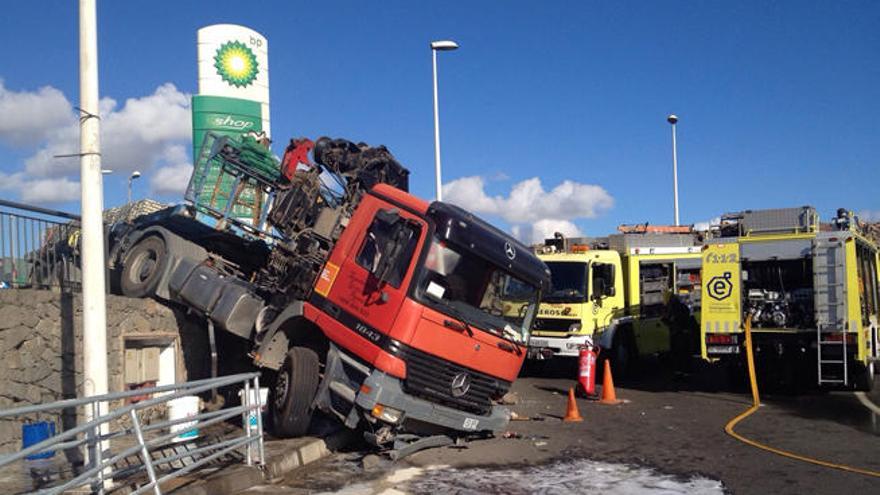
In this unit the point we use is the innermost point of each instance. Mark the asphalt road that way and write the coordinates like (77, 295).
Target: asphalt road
(667, 428)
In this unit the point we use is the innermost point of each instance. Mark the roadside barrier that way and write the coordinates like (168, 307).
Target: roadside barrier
(159, 462)
(756, 403)
(572, 415)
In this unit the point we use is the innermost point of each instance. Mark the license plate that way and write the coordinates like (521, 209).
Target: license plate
(722, 349)
(538, 343)
(470, 424)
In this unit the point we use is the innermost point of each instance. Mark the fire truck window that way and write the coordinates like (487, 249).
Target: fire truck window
(603, 278)
(385, 238)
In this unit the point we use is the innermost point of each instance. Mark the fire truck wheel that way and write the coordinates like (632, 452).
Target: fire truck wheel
(865, 377)
(143, 267)
(622, 350)
(294, 391)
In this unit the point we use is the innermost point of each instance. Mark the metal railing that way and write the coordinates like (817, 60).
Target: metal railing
(39, 248)
(106, 467)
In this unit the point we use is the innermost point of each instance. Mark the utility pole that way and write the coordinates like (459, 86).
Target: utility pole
(94, 323)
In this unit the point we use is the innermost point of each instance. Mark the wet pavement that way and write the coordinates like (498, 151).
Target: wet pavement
(562, 477)
(668, 438)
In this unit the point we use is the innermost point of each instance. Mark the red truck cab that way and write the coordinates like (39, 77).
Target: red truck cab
(414, 302)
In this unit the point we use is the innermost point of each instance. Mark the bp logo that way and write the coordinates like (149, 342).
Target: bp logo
(236, 64)
(720, 287)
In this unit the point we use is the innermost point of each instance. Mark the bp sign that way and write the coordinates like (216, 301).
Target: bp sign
(236, 64)
(223, 116)
(233, 94)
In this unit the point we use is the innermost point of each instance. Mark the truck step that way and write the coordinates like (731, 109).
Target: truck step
(343, 390)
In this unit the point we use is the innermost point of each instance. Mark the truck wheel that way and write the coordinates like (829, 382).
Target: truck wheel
(622, 353)
(865, 377)
(294, 391)
(143, 268)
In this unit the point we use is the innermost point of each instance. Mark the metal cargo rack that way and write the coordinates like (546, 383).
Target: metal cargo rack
(625, 242)
(802, 220)
(224, 188)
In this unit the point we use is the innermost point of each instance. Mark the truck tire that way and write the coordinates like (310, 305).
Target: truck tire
(623, 354)
(864, 379)
(294, 391)
(143, 267)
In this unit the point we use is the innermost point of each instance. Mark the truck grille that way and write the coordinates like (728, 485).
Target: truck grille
(431, 378)
(553, 324)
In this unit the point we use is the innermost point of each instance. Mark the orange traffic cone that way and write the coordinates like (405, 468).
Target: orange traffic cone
(609, 396)
(572, 415)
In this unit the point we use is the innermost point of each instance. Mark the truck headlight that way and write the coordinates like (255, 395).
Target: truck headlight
(387, 414)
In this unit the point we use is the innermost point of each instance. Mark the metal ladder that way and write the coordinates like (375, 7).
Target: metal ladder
(829, 297)
(834, 376)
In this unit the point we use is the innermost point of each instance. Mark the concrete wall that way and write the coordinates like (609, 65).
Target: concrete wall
(41, 348)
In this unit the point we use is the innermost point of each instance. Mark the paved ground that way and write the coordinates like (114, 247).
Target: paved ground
(668, 438)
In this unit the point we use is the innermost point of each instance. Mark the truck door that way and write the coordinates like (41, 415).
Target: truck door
(655, 288)
(605, 293)
(370, 282)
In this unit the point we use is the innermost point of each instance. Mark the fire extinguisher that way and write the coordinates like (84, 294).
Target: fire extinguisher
(587, 357)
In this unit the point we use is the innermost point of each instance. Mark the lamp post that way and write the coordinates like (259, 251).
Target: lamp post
(443, 45)
(673, 119)
(134, 175)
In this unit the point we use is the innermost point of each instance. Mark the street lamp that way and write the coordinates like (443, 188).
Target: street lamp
(442, 45)
(134, 175)
(673, 119)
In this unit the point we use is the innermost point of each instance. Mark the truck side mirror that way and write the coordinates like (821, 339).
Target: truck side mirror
(610, 291)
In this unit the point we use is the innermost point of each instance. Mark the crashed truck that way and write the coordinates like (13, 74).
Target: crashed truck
(361, 301)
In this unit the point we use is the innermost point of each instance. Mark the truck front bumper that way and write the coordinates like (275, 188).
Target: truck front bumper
(547, 347)
(387, 391)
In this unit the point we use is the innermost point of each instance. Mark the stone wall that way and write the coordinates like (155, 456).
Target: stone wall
(41, 348)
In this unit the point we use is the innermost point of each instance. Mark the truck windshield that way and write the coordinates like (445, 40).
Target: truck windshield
(467, 287)
(568, 282)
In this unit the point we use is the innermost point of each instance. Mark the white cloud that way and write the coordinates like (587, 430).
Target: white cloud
(537, 232)
(42, 191)
(174, 177)
(135, 136)
(28, 117)
(58, 190)
(150, 133)
(532, 211)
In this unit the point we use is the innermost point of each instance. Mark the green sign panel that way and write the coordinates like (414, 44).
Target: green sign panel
(226, 117)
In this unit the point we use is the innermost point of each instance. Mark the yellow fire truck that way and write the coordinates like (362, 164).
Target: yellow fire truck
(811, 290)
(633, 295)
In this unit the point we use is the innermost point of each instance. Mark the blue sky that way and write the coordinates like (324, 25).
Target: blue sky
(778, 101)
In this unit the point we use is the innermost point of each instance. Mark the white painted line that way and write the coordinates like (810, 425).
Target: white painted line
(867, 402)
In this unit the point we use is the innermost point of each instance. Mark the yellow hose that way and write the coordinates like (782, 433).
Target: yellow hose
(756, 402)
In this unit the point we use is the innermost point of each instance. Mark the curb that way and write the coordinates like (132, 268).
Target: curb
(282, 457)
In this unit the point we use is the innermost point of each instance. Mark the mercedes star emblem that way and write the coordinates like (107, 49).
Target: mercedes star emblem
(510, 251)
(460, 385)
